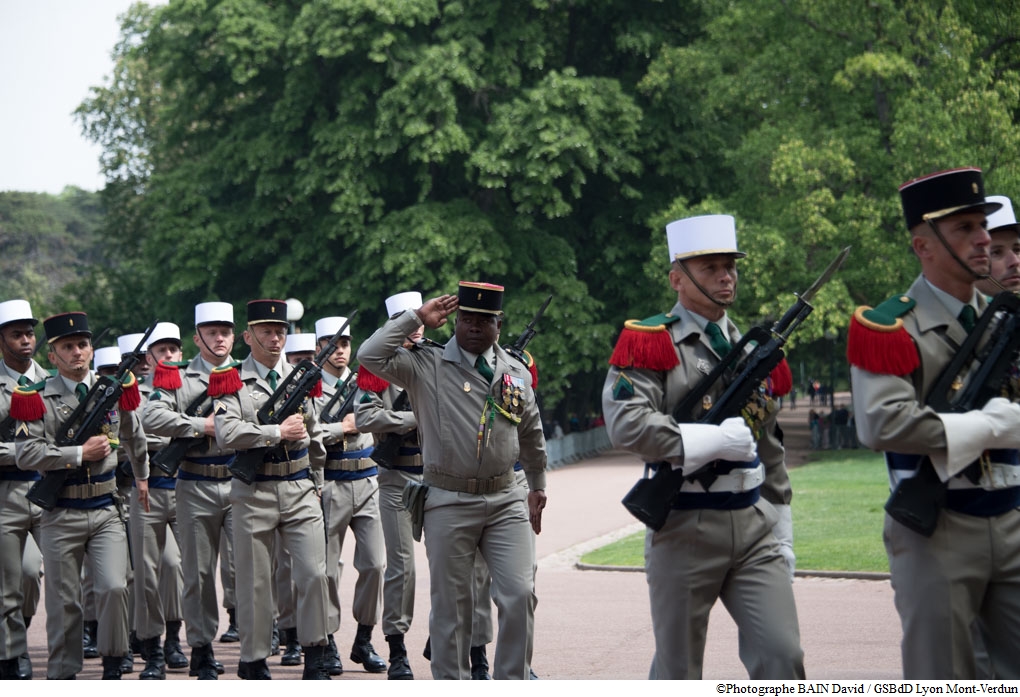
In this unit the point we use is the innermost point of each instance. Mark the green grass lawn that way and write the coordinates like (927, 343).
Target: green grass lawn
(837, 516)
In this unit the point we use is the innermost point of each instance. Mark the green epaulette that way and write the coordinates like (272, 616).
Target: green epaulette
(877, 340)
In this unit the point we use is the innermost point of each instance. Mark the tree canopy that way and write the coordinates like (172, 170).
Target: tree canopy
(339, 151)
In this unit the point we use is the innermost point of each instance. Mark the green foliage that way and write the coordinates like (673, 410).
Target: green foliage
(339, 151)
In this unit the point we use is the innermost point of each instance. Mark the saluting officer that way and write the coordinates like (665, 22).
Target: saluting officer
(718, 540)
(181, 408)
(20, 558)
(350, 499)
(85, 515)
(477, 416)
(282, 497)
(966, 566)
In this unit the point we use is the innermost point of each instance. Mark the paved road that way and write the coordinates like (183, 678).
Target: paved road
(595, 624)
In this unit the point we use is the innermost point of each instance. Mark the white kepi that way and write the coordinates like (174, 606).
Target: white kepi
(1004, 218)
(326, 327)
(214, 313)
(702, 235)
(395, 304)
(16, 311)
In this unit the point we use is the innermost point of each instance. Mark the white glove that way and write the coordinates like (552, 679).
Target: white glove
(997, 425)
(703, 443)
(783, 530)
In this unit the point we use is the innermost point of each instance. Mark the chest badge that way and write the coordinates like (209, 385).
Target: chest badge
(703, 367)
(467, 387)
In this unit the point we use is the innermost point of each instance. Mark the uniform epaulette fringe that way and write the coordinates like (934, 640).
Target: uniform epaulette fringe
(369, 382)
(316, 390)
(130, 396)
(646, 344)
(879, 343)
(27, 403)
(167, 376)
(781, 379)
(533, 369)
(225, 380)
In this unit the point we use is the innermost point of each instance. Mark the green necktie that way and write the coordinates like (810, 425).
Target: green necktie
(81, 390)
(483, 367)
(715, 337)
(968, 318)
(271, 377)
(23, 381)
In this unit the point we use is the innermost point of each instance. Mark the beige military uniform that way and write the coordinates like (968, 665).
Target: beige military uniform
(85, 518)
(204, 513)
(970, 567)
(20, 558)
(716, 544)
(473, 500)
(350, 499)
(155, 548)
(281, 498)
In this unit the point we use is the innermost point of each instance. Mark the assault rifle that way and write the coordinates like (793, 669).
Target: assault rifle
(168, 458)
(743, 371)
(516, 349)
(286, 400)
(86, 421)
(916, 501)
(330, 414)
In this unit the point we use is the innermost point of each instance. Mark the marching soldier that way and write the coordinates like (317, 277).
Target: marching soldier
(282, 497)
(20, 559)
(153, 531)
(1004, 251)
(472, 425)
(385, 411)
(692, 560)
(955, 564)
(86, 514)
(180, 408)
(350, 499)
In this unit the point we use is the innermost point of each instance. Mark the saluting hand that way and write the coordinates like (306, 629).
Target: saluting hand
(433, 314)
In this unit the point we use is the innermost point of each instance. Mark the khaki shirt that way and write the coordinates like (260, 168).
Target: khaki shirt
(36, 373)
(374, 414)
(164, 412)
(450, 400)
(890, 410)
(39, 451)
(333, 434)
(644, 424)
(237, 422)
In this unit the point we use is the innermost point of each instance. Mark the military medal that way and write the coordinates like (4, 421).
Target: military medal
(467, 387)
(703, 366)
(706, 402)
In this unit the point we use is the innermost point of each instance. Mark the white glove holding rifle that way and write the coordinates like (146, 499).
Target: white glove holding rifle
(704, 443)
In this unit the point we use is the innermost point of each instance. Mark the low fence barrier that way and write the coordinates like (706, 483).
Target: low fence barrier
(576, 446)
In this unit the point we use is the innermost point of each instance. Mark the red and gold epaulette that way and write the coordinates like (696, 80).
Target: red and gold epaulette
(877, 340)
(27, 403)
(533, 369)
(167, 375)
(781, 379)
(370, 382)
(646, 344)
(130, 396)
(224, 380)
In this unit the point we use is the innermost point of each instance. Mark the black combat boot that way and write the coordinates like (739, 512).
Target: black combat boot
(175, 658)
(331, 659)
(254, 670)
(231, 636)
(127, 663)
(292, 649)
(203, 663)
(111, 667)
(362, 651)
(399, 668)
(24, 669)
(479, 663)
(314, 668)
(90, 632)
(155, 665)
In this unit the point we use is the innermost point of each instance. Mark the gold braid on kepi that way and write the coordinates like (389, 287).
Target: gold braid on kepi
(646, 344)
(879, 342)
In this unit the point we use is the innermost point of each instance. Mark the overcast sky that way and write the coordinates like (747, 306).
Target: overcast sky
(51, 53)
